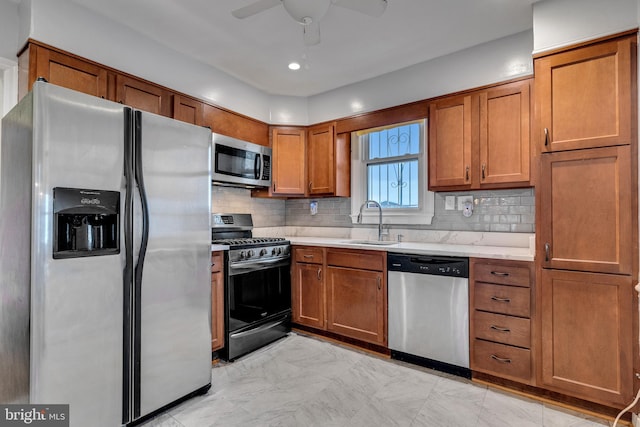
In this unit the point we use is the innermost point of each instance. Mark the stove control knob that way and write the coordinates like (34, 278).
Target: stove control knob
(274, 251)
(279, 251)
(263, 252)
(250, 253)
(242, 255)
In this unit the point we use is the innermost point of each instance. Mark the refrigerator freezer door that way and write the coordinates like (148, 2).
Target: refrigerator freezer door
(76, 304)
(175, 294)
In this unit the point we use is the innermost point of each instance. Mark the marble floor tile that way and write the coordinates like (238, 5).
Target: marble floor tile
(301, 381)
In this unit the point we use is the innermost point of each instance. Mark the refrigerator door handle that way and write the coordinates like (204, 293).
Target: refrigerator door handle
(139, 179)
(127, 275)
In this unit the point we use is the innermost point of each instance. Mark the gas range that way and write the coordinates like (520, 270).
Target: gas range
(257, 285)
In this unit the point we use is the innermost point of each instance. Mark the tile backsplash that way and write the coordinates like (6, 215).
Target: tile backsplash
(495, 211)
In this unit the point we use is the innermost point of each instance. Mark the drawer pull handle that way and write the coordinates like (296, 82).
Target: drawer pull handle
(499, 273)
(307, 256)
(500, 329)
(495, 298)
(500, 359)
(546, 137)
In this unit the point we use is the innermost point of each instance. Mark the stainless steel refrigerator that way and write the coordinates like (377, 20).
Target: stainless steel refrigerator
(105, 237)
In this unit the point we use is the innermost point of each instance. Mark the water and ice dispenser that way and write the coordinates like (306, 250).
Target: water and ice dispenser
(85, 222)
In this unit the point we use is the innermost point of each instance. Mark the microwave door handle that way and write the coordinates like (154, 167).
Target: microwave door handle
(257, 166)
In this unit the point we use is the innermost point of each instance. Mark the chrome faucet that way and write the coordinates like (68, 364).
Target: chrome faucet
(366, 203)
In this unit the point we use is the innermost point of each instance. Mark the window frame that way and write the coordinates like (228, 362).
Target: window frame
(422, 215)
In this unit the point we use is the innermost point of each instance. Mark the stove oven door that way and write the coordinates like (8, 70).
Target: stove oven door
(258, 305)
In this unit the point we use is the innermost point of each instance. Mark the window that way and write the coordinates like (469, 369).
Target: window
(389, 166)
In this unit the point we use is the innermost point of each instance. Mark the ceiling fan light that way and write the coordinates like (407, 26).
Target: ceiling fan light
(301, 9)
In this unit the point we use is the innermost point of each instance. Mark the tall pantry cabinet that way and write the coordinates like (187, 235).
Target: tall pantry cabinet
(587, 237)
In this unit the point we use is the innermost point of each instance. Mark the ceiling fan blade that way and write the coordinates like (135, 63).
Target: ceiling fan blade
(368, 7)
(254, 8)
(311, 34)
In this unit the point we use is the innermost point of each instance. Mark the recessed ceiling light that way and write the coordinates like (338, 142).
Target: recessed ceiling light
(294, 66)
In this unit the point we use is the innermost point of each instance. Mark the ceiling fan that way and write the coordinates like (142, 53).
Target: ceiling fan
(308, 13)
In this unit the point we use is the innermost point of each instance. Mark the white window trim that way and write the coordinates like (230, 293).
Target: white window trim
(394, 216)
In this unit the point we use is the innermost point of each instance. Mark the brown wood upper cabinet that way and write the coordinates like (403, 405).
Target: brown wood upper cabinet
(584, 96)
(62, 70)
(481, 139)
(288, 171)
(328, 161)
(187, 110)
(142, 95)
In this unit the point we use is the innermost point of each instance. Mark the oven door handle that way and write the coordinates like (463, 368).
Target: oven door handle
(259, 329)
(250, 265)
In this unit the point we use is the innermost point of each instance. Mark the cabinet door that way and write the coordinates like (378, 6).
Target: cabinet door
(586, 210)
(217, 311)
(450, 142)
(142, 95)
(356, 304)
(69, 72)
(584, 97)
(504, 134)
(321, 160)
(187, 110)
(288, 163)
(308, 295)
(586, 330)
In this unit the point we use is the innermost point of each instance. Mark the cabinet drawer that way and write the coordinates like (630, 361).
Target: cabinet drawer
(502, 329)
(502, 274)
(362, 260)
(216, 262)
(503, 360)
(308, 255)
(502, 299)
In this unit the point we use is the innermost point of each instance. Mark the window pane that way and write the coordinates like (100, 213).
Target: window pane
(398, 141)
(394, 185)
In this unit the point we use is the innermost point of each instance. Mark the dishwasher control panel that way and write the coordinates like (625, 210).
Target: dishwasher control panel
(427, 264)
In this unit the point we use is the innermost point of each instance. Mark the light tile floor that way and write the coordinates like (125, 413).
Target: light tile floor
(301, 381)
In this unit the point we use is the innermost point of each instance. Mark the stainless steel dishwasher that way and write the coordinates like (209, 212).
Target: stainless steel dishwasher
(429, 311)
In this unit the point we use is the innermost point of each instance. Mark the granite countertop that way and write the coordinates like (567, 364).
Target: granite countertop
(448, 249)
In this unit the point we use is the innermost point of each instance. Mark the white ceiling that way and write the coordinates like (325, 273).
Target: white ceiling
(354, 46)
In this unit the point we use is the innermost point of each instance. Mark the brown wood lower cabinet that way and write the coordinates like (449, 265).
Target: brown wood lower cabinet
(217, 301)
(586, 331)
(501, 310)
(307, 290)
(342, 291)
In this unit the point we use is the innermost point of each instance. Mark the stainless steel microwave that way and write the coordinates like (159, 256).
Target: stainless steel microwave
(240, 163)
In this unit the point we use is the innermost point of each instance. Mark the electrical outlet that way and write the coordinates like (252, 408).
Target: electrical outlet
(449, 203)
(462, 200)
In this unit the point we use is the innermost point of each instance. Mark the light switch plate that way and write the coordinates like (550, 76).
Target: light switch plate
(462, 200)
(449, 203)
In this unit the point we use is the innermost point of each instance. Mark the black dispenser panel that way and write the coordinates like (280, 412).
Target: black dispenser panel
(85, 222)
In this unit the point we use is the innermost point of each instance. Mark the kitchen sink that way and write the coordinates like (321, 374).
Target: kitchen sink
(370, 242)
